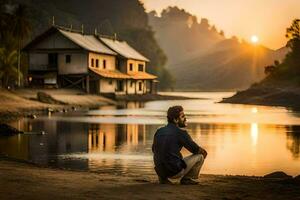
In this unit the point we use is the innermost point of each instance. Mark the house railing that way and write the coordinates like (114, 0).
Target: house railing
(44, 67)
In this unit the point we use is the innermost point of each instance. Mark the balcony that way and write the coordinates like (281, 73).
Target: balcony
(44, 67)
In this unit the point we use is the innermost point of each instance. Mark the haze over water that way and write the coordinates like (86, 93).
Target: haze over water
(240, 139)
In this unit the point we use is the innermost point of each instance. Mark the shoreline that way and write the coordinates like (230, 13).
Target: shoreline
(24, 102)
(288, 97)
(70, 184)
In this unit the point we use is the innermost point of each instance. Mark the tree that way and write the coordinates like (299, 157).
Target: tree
(21, 30)
(292, 59)
(204, 23)
(222, 33)
(8, 63)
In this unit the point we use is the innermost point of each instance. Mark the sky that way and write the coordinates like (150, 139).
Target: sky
(268, 19)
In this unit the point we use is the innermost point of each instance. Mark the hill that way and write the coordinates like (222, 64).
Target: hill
(201, 58)
(227, 65)
(281, 87)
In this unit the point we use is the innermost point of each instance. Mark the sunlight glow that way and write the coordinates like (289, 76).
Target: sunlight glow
(254, 110)
(254, 133)
(254, 39)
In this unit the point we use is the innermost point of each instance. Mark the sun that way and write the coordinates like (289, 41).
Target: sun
(254, 39)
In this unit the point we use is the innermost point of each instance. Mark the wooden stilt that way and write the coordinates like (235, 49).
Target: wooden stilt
(87, 84)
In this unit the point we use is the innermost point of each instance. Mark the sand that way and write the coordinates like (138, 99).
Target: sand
(22, 102)
(26, 181)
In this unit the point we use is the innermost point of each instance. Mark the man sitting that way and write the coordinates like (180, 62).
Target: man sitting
(167, 144)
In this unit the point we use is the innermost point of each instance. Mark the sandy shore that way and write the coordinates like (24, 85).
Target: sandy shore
(23, 102)
(26, 181)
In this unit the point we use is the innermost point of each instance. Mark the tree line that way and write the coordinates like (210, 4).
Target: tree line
(14, 29)
(289, 68)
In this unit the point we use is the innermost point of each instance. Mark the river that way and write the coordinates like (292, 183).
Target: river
(239, 139)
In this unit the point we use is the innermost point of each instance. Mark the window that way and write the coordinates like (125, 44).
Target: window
(140, 86)
(130, 67)
(68, 58)
(97, 63)
(131, 83)
(104, 64)
(141, 67)
(92, 62)
(110, 82)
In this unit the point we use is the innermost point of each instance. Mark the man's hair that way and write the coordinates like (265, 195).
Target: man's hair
(173, 113)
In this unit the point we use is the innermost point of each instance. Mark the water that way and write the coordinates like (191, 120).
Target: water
(240, 139)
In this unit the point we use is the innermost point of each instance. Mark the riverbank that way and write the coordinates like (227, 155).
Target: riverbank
(24, 102)
(267, 95)
(26, 181)
(27, 102)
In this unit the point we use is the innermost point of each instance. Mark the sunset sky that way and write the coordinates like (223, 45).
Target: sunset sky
(268, 19)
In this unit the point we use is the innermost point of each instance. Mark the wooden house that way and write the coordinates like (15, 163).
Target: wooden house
(64, 58)
(132, 63)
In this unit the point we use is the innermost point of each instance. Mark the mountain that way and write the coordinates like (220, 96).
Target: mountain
(181, 36)
(227, 65)
(202, 58)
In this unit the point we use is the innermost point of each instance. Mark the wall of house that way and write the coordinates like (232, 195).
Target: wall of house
(106, 86)
(122, 65)
(130, 86)
(135, 64)
(142, 91)
(38, 61)
(56, 41)
(110, 61)
(77, 64)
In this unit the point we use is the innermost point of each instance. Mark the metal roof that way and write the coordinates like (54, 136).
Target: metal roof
(88, 42)
(124, 49)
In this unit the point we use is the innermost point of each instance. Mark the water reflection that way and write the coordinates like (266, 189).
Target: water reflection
(252, 149)
(293, 140)
(254, 133)
(250, 140)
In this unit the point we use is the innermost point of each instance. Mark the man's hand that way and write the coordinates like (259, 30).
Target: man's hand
(203, 152)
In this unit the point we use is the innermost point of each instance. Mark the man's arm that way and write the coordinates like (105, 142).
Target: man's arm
(190, 145)
(203, 152)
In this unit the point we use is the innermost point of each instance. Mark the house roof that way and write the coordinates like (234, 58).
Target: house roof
(142, 75)
(88, 42)
(119, 75)
(110, 73)
(124, 49)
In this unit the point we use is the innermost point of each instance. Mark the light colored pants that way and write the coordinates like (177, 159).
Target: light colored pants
(193, 163)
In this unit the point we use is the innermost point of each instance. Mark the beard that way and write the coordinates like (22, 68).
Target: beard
(181, 124)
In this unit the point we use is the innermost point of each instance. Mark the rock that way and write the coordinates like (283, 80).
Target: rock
(297, 179)
(278, 174)
(50, 110)
(31, 116)
(6, 130)
(46, 98)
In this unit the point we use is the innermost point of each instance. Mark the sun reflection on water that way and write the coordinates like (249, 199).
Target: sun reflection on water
(254, 133)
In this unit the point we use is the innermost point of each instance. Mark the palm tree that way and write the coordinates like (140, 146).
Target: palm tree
(8, 62)
(22, 29)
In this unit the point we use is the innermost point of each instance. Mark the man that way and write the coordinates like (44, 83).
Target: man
(167, 144)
